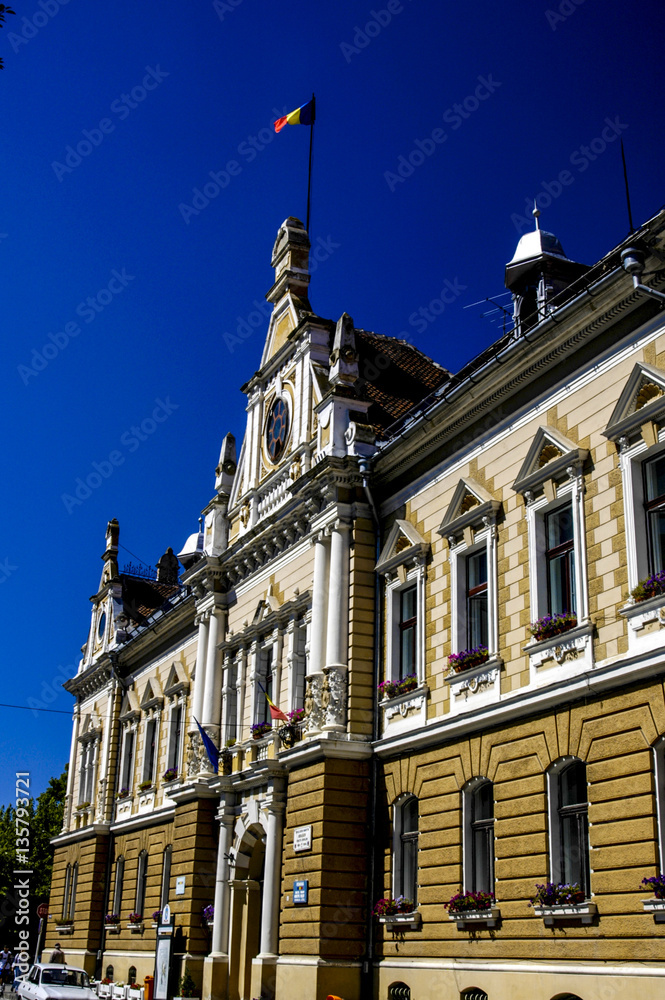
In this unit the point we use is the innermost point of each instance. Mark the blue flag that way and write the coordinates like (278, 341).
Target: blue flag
(211, 749)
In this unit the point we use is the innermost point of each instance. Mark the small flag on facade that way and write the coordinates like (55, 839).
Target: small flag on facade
(301, 116)
(275, 712)
(211, 749)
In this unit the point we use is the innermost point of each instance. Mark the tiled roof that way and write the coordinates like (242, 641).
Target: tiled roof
(142, 597)
(395, 376)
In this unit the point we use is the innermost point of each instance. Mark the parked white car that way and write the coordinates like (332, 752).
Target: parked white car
(56, 982)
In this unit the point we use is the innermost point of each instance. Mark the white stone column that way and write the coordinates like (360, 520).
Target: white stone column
(212, 696)
(317, 644)
(241, 673)
(220, 930)
(337, 637)
(201, 656)
(272, 878)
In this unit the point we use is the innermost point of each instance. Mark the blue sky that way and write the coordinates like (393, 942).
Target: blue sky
(123, 290)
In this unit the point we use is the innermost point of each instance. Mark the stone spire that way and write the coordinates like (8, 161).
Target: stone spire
(344, 368)
(110, 556)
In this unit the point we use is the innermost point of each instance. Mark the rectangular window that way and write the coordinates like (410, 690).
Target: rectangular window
(128, 761)
(150, 746)
(408, 621)
(175, 742)
(654, 505)
(559, 556)
(263, 708)
(476, 600)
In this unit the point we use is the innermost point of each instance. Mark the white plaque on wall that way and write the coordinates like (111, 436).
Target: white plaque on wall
(180, 885)
(302, 838)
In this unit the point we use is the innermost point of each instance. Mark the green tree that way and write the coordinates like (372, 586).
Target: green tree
(44, 818)
(4, 10)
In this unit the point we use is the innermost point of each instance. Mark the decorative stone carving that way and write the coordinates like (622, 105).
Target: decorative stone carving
(195, 752)
(313, 707)
(402, 707)
(478, 681)
(333, 697)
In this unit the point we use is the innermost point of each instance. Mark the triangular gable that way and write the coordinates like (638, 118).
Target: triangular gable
(282, 322)
(642, 400)
(172, 680)
(403, 544)
(470, 503)
(550, 455)
(266, 606)
(148, 695)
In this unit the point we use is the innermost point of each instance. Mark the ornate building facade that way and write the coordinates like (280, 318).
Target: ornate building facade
(457, 585)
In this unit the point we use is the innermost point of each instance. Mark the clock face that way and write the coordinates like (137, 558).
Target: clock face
(277, 429)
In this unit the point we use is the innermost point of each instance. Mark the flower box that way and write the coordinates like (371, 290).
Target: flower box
(657, 907)
(135, 928)
(402, 921)
(119, 992)
(583, 913)
(172, 774)
(471, 919)
(260, 729)
(467, 659)
(551, 626)
(104, 990)
(652, 586)
(392, 689)
(113, 928)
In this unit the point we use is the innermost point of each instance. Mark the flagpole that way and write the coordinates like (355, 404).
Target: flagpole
(309, 177)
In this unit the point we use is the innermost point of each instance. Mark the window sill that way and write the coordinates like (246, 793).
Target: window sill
(475, 918)
(135, 928)
(65, 928)
(113, 928)
(657, 907)
(646, 621)
(402, 921)
(583, 913)
(550, 658)
(476, 686)
(402, 704)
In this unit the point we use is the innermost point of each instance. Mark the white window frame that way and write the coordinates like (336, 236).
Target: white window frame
(398, 815)
(141, 882)
(165, 885)
(487, 539)
(149, 773)
(571, 492)
(467, 832)
(174, 752)
(632, 458)
(87, 768)
(415, 576)
(126, 772)
(554, 834)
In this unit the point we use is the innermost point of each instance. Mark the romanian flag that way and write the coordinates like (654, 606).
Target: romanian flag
(275, 713)
(301, 116)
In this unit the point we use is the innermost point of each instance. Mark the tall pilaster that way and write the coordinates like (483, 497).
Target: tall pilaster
(337, 633)
(201, 657)
(272, 879)
(212, 696)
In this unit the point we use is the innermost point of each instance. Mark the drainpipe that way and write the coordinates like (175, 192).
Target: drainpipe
(367, 977)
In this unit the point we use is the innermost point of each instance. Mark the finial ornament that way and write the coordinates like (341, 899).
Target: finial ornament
(536, 213)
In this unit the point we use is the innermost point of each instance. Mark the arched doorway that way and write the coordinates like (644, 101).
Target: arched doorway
(245, 910)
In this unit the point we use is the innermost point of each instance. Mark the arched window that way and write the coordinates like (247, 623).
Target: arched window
(109, 972)
(131, 975)
(405, 848)
(473, 994)
(659, 776)
(399, 991)
(72, 891)
(141, 881)
(65, 895)
(166, 877)
(117, 888)
(569, 823)
(478, 814)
